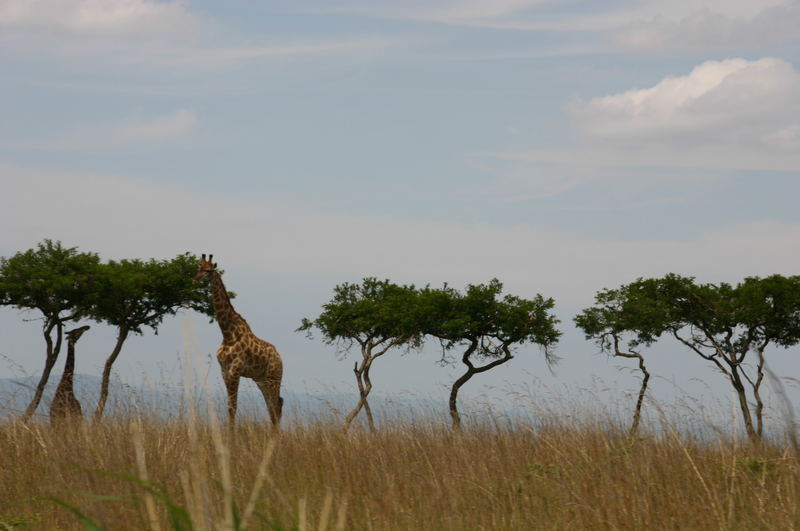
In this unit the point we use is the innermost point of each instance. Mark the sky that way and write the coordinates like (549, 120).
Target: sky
(559, 146)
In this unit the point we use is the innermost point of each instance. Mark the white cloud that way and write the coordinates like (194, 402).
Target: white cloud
(124, 217)
(145, 131)
(232, 55)
(711, 28)
(730, 101)
(786, 139)
(133, 35)
(95, 16)
(618, 182)
(448, 11)
(638, 26)
(133, 132)
(723, 117)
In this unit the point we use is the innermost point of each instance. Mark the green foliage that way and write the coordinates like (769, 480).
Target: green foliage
(178, 515)
(759, 466)
(736, 318)
(375, 311)
(51, 278)
(644, 309)
(132, 294)
(378, 310)
(87, 522)
(771, 307)
(7, 523)
(483, 316)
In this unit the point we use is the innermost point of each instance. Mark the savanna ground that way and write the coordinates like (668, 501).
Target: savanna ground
(560, 474)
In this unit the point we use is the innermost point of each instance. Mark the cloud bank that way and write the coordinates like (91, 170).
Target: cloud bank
(134, 218)
(710, 28)
(138, 132)
(730, 100)
(103, 17)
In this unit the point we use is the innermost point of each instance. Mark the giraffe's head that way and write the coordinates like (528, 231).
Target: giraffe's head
(205, 269)
(75, 334)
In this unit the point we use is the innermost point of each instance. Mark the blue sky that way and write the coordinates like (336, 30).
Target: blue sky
(560, 146)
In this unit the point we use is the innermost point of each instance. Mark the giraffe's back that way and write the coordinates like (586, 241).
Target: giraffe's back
(252, 358)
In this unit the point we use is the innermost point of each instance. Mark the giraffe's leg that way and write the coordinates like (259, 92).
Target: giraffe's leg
(232, 386)
(272, 396)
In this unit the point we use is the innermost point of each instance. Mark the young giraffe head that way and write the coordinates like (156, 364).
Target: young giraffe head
(75, 334)
(205, 269)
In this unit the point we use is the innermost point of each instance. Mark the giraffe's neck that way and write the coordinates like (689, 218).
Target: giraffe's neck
(230, 322)
(69, 366)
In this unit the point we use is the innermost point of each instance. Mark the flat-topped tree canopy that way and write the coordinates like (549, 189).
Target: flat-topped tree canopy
(482, 314)
(140, 293)
(641, 310)
(51, 278)
(372, 311)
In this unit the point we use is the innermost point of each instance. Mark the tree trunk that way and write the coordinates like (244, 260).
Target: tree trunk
(101, 403)
(757, 393)
(50, 361)
(736, 381)
(464, 378)
(471, 371)
(363, 391)
(367, 389)
(638, 411)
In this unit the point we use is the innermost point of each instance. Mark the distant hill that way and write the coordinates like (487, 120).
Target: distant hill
(166, 402)
(16, 393)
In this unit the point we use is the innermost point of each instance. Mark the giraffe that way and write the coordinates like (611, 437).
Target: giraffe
(242, 354)
(64, 404)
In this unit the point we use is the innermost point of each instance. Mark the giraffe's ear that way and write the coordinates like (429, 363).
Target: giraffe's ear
(215, 265)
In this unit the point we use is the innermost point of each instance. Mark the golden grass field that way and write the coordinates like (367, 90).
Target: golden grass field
(194, 474)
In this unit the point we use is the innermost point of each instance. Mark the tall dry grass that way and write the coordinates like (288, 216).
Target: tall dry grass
(574, 470)
(148, 474)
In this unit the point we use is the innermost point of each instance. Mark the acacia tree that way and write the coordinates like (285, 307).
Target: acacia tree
(727, 325)
(134, 294)
(618, 313)
(56, 281)
(488, 326)
(377, 315)
(724, 324)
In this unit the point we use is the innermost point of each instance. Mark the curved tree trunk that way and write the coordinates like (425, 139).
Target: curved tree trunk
(363, 380)
(471, 371)
(50, 361)
(362, 397)
(464, 378)
(364, 388)
(736, 381)
(732, 360)
(757, 393)
(101, 403)
(367, 389)
(637, 413)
